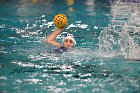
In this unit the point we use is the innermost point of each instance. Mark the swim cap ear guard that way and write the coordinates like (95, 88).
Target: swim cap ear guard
(69, 36)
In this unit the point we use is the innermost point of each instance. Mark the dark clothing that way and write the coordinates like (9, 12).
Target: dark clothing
(60, 50)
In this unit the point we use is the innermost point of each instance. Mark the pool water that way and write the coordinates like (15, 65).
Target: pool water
(106, 58)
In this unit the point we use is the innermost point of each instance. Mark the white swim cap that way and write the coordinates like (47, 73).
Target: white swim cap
(71, 37)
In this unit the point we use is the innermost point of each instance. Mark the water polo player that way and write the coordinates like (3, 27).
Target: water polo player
(68, 41)
(60, 21)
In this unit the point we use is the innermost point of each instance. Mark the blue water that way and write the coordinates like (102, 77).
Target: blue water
(97, 64)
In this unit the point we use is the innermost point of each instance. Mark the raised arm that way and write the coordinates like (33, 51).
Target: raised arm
(52, 38)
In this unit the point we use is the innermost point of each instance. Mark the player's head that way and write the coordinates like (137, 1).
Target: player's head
(69, 41)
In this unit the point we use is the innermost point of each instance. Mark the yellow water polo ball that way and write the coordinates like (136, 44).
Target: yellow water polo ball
(60, 20)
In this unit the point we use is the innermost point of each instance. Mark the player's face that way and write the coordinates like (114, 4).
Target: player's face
(68, 43)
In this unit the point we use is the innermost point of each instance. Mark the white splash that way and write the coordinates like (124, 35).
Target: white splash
(122, 34)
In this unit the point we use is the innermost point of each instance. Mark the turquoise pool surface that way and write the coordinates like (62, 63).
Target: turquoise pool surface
(106, 58)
